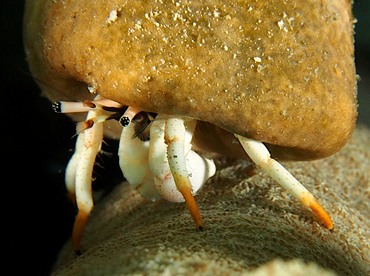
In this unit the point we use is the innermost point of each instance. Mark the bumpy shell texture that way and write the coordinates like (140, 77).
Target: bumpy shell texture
(281, 72)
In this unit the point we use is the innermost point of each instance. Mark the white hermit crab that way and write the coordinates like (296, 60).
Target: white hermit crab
(269, 74)
(165, 165)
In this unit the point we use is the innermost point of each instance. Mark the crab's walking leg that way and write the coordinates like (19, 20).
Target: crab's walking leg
(199, 168)
(70, 174)
(261, 156)
(133, 159)
(175, 139)
(91, 146)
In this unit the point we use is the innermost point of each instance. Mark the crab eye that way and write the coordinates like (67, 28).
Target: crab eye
(141, 120)
(124, 121)
(138, 118)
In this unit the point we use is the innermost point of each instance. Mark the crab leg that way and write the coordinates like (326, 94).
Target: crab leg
(201, 168)
(70, 174)
(174, 138)
(81, 126)
(261, 156)
(133, 159)
(91, 146)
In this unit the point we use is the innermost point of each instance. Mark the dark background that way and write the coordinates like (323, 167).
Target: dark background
(36, 214)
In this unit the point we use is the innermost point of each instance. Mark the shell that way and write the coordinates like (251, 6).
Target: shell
(275, 71)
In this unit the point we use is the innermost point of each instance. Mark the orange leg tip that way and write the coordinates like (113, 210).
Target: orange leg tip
(194, 211)
(199, 224)
(78, 230)
(193, 208)
(322, 214)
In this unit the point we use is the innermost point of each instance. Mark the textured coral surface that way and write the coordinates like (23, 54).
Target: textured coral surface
(250, 220)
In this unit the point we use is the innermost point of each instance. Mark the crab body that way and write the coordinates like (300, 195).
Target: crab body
(265, 73)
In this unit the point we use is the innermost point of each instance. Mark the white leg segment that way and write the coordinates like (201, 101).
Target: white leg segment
(200, 168)
(260, 155)
(258, 152)
(70, 173)
(158, 163)
(92, 143)
(133, 160)
(175, 139)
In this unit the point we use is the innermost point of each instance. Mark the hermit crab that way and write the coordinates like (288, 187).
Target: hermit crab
(188, 79)
(163, 166)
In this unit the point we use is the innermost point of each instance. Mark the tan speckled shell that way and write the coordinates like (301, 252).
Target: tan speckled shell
(281, 72)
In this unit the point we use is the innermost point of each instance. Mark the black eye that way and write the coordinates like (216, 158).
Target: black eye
(124, 121)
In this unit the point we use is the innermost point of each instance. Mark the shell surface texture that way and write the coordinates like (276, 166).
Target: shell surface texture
(189, 79)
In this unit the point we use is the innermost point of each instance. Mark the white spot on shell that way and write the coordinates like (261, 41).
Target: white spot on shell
(257, 59)
(281, 24)
(316, 71)
(146, 78)
(138, 25)
(260, 68)
(216, 13)
(113, 15)
(91, 89)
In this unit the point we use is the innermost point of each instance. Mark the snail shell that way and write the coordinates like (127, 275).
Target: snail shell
(278, 72)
